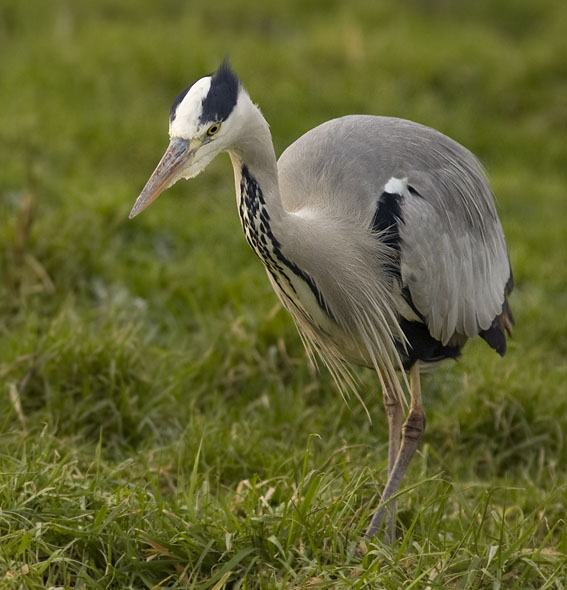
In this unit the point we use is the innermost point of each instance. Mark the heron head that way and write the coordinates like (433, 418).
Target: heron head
(200, 127)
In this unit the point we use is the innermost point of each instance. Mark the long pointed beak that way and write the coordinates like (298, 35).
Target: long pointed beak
(167, 172)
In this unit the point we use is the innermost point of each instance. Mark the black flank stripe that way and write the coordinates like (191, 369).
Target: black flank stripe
(422, 345)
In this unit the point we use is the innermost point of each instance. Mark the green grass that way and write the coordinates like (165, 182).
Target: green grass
(159, 425)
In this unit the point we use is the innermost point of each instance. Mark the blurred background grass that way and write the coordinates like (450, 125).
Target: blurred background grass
(124, 346)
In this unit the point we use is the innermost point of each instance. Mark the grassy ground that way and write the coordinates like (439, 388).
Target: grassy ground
(159, 426)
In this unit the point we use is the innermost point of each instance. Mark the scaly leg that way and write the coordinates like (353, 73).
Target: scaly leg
(395, 417)
(412, 430)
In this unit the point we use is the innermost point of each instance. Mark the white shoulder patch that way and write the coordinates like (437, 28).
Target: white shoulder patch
(396, 186)
(186, 122)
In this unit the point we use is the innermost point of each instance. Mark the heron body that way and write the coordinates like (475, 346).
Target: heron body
(379, 235)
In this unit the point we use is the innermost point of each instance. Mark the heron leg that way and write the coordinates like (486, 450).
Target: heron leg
(412, 430)
(395, 417)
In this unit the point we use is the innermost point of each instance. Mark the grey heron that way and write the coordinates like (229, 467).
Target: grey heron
(379, 235)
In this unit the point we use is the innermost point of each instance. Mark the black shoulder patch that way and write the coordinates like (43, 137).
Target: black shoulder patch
(386, 218)
(386, 221)
(222, 95)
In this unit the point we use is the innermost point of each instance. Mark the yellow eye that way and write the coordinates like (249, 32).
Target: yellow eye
(213, 129)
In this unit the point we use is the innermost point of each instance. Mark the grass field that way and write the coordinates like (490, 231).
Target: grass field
(159, 424)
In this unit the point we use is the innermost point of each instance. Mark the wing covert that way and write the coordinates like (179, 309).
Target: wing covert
(453, 260)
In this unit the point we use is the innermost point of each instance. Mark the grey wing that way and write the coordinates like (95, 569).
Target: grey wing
(453, 255)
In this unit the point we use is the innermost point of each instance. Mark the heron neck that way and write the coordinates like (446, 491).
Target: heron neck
(254, 152)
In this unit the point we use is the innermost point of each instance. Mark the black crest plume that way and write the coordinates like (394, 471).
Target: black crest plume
(220, 99)
(222, 96)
